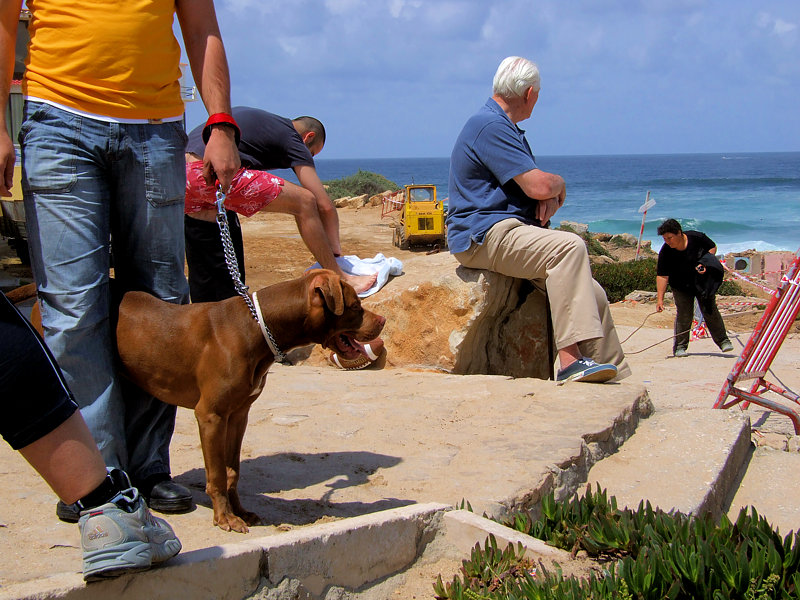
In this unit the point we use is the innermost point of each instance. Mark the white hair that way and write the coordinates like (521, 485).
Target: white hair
(514, 76)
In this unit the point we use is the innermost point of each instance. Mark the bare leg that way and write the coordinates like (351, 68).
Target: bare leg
(67, 459)
(297, 201)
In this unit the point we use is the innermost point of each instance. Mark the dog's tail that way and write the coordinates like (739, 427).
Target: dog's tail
(22, 293)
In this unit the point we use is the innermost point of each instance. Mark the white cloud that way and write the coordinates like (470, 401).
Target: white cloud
(620, 61)
(403, 8)
(339, 7)
(775, 25)
(783, 27)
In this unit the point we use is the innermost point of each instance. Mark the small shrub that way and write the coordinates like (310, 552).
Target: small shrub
(620, 242)
(620, 279)
(594, 247)
(363, 182)
(652, 554)
(731, 288)
(489, 570)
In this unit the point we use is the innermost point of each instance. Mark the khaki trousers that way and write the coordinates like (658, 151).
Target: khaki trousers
(556, 262)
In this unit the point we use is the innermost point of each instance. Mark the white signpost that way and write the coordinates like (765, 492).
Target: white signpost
(648, 204)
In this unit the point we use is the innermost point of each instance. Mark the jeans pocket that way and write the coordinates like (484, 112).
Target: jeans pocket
(48, 144)
(165, 165)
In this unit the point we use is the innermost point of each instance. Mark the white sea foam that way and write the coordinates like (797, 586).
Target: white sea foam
(736, 247)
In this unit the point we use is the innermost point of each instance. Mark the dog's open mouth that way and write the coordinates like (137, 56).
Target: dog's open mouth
(346, 346)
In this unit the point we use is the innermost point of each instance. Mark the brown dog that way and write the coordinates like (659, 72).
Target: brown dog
(212, 357)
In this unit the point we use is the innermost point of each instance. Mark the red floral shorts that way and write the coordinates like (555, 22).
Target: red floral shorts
(250, 190)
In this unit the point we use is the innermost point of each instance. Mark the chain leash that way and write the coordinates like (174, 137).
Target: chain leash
(233, 269)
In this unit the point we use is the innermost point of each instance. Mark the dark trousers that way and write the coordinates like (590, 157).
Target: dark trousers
(684, 303)
(209, 278)
(35, 397)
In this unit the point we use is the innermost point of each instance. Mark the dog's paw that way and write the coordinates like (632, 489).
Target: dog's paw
(230, 522)
(368, 353)
(252, 519)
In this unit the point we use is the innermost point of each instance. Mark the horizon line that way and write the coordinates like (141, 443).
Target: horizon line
(721, 154)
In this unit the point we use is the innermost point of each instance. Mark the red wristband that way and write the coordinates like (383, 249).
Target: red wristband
(221, 119)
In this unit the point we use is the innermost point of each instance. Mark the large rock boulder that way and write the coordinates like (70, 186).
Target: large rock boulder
(441, 315)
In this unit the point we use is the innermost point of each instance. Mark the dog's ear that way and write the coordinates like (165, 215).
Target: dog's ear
(330, 286)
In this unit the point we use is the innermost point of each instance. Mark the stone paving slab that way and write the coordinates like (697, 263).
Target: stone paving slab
(325, 444)
(676, 460)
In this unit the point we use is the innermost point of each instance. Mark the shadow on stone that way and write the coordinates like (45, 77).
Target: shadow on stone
(277, 473)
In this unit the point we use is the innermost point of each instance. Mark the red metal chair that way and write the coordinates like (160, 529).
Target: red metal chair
(760, 350)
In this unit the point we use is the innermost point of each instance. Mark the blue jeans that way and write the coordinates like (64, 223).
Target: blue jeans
(95, 190)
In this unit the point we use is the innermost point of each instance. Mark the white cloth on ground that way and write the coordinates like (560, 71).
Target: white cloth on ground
(380, 264)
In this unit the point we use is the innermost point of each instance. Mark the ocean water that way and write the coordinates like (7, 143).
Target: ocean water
(739, 200)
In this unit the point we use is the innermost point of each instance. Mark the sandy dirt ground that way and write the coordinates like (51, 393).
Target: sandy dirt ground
(274, 252)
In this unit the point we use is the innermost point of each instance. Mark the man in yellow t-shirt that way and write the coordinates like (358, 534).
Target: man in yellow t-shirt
(103, 180)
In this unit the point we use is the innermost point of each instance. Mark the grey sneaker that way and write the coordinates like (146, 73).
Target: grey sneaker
(680, 353)
(585, 369)
(726, 345)
(123, 537)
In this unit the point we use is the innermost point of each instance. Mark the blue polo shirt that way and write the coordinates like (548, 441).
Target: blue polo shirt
(488, 154)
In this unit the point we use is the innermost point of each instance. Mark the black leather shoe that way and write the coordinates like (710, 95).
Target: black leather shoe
(69, 513)
(165, 495)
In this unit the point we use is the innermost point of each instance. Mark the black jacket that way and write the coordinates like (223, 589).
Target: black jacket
(706, 284)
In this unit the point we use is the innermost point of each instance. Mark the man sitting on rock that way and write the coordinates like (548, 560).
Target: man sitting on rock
(500, 206)
(267, 141)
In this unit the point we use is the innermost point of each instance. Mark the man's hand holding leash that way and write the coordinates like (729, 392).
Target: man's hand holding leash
(221, 160)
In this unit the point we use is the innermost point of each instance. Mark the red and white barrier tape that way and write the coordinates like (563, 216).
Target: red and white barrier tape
(750, 281)
(699, 331)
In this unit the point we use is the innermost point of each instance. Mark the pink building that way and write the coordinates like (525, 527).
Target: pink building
(765, 267)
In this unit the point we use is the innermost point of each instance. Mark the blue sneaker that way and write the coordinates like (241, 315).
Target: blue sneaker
(586, 370)
(122, 537)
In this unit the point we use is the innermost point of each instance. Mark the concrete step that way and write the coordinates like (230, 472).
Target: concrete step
(772, 482)
(395, 553)
(691, 461)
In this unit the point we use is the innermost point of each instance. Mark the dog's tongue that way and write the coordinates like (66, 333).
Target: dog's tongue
(350, 350)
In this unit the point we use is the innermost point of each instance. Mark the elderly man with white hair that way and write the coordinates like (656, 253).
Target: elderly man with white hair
(500, 207)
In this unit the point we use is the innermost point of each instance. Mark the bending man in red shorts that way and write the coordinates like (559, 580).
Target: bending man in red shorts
(267, 141)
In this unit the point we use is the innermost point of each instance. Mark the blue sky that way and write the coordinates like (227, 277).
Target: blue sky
(398, 78)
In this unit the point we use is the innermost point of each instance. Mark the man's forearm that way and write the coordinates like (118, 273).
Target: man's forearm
(210, 70)
(541, 185)
(206, 53)
(9, 20)
(661, 286)
(308, 178)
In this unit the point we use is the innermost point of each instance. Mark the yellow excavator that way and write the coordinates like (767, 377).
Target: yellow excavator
(421, 219)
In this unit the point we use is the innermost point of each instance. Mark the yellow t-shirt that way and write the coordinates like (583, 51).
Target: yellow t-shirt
(114, 58)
